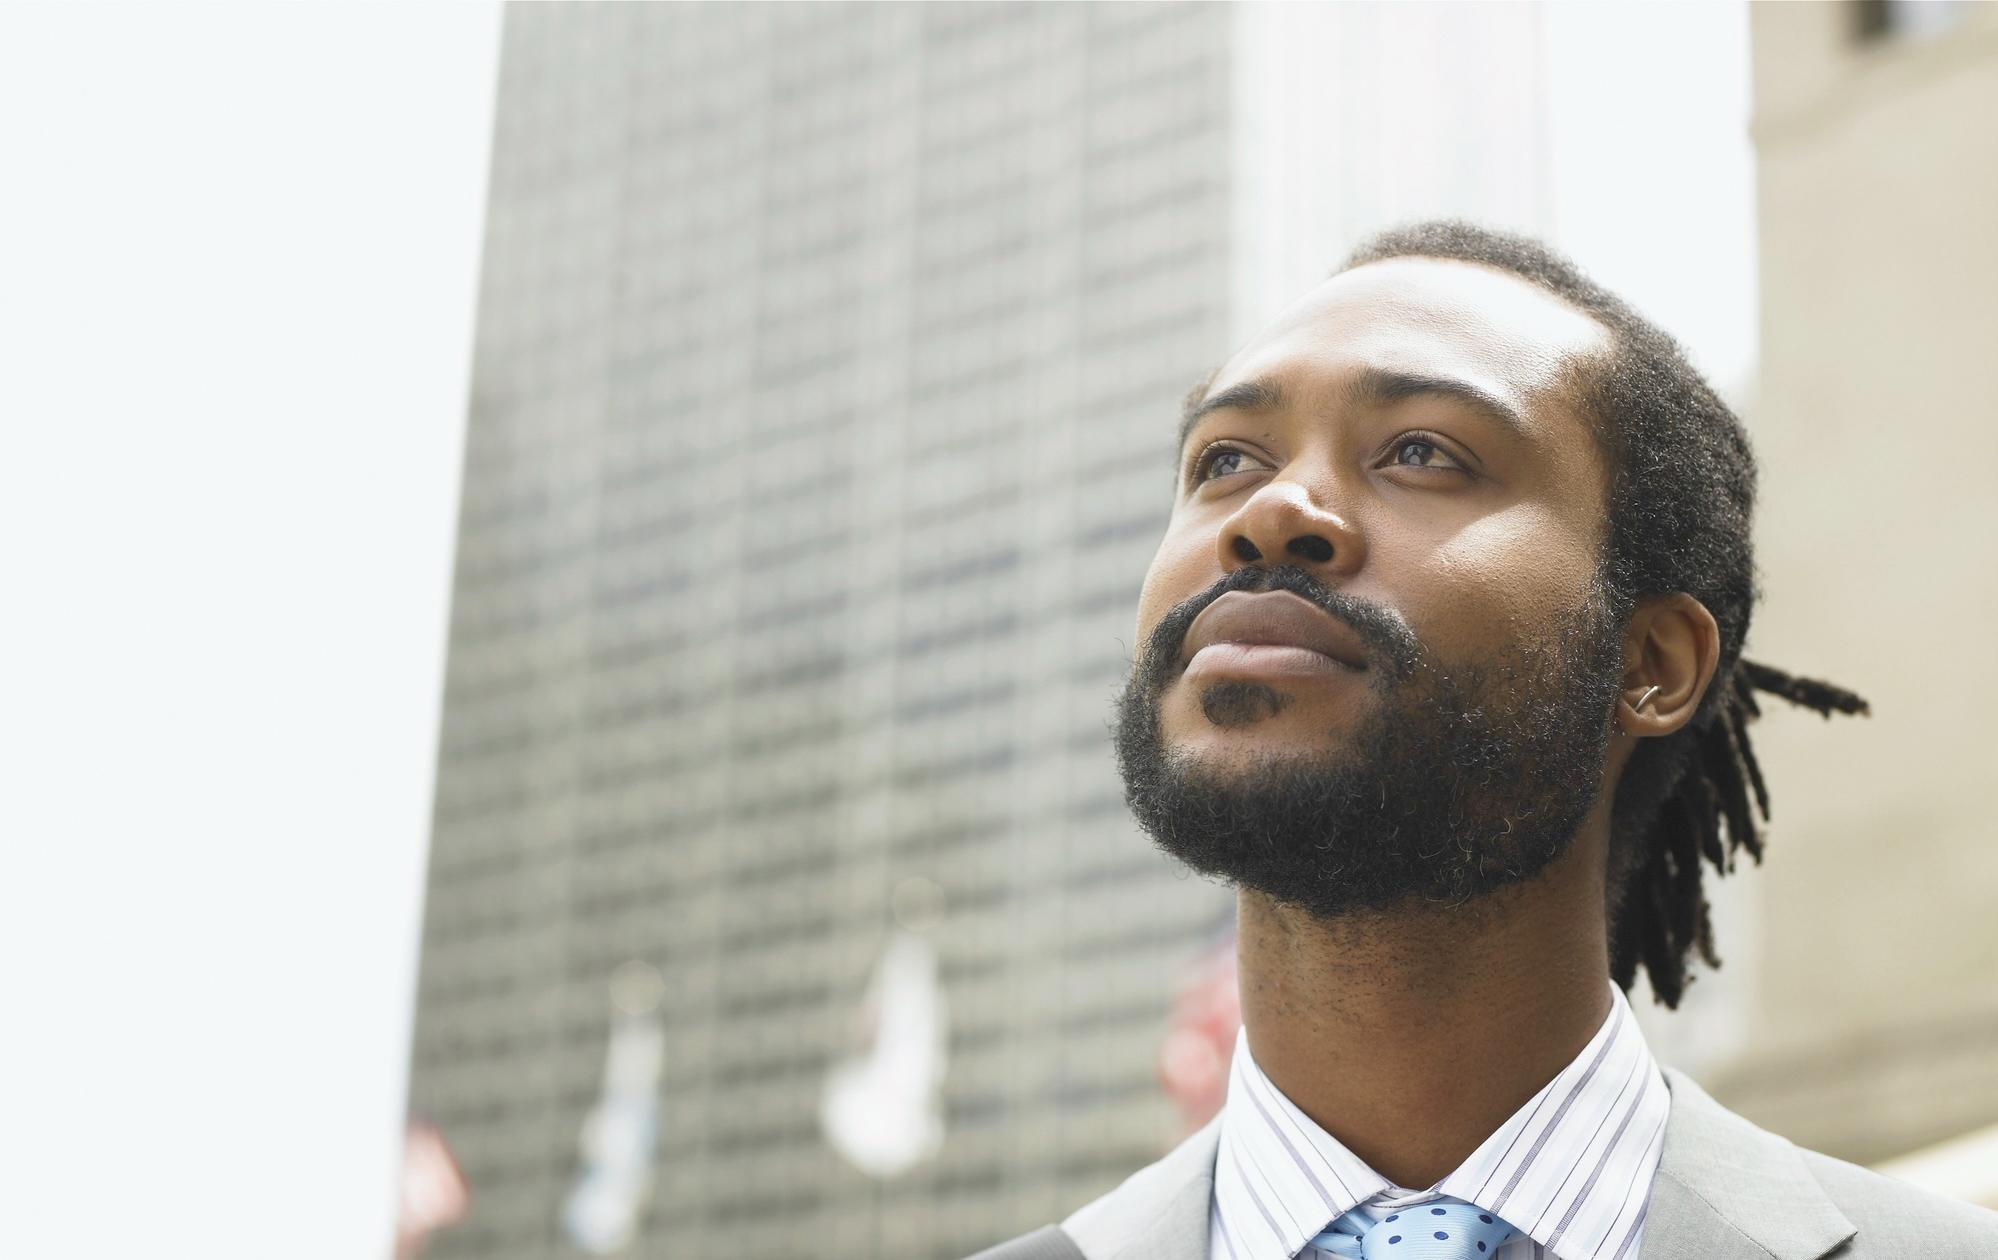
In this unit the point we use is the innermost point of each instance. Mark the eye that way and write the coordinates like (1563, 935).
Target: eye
(1220, 460)
(1422, 444)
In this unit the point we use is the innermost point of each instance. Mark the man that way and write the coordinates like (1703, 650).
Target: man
(1440, 666)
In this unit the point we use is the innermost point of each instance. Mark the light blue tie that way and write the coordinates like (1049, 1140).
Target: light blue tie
(1441, 1229)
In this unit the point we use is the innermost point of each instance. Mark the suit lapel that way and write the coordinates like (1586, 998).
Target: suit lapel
(1159, 1213)
(1726, 1190)
(1680, 1225)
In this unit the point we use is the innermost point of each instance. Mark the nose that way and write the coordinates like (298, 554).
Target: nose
(1281, 524)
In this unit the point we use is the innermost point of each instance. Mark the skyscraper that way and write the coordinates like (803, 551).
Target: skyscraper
(822, 429)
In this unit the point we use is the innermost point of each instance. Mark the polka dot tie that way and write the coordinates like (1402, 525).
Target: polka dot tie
(1441, 1229)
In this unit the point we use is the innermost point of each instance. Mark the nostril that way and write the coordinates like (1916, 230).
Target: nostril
(1312, 548)
(1246, 550)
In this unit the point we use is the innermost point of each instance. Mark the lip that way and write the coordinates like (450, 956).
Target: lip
(1276, 619)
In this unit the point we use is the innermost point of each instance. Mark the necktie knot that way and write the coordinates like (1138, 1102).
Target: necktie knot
(1441, 1229)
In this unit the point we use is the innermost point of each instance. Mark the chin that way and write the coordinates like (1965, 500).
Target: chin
(1231, 714)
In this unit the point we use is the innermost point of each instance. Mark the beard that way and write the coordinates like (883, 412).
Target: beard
(1462, 778)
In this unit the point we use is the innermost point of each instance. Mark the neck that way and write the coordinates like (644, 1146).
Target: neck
(1413, 1034)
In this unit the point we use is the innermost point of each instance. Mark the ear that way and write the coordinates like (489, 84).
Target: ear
(1672, 643)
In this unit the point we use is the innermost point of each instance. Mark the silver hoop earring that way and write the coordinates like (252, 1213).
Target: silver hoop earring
(1639, 706)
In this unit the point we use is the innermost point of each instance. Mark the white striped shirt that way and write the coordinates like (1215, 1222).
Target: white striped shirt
(1571, 1170)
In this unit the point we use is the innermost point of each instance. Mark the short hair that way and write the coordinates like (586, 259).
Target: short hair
(1681, 497)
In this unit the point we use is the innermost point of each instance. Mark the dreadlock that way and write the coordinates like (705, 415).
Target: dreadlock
(1682, 491)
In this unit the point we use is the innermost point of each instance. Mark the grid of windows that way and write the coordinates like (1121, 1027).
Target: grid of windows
(821, 433)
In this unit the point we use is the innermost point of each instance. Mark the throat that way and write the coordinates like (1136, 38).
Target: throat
(1413, 1034)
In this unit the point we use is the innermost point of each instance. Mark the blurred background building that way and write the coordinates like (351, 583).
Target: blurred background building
(1875, 1024)
(821, 433)
(828, 362)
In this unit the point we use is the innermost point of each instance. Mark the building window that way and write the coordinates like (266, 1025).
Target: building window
(1879, 20)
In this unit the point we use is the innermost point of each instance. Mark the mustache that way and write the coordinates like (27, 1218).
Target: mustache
(1383, 631)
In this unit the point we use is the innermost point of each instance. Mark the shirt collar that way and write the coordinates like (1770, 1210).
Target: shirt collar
(1571, 1168)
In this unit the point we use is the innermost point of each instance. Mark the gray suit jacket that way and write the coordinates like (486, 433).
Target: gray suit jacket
(1725, 1190)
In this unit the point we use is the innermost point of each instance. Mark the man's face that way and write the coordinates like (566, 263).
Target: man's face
(1392, 475)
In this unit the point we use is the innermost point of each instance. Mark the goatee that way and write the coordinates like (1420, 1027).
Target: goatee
(1462, 778)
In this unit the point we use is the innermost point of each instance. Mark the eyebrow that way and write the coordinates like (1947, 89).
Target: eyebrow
(1379, 387)
(1246, 396)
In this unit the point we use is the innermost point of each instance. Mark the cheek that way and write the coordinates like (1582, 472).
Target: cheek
(1181, 568)
(1503, 578)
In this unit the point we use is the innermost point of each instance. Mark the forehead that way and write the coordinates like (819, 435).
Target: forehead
(1432, 317)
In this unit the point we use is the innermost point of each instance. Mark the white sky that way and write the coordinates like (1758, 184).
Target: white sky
(1654, 170)
(238, 256)
(1540, 118)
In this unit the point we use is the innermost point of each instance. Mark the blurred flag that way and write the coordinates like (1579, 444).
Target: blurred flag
(620, 1132)
(434, 1190)
(882, 1108)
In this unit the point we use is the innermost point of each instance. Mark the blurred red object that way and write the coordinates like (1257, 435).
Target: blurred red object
(434, 1190)
(1200, 1036)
